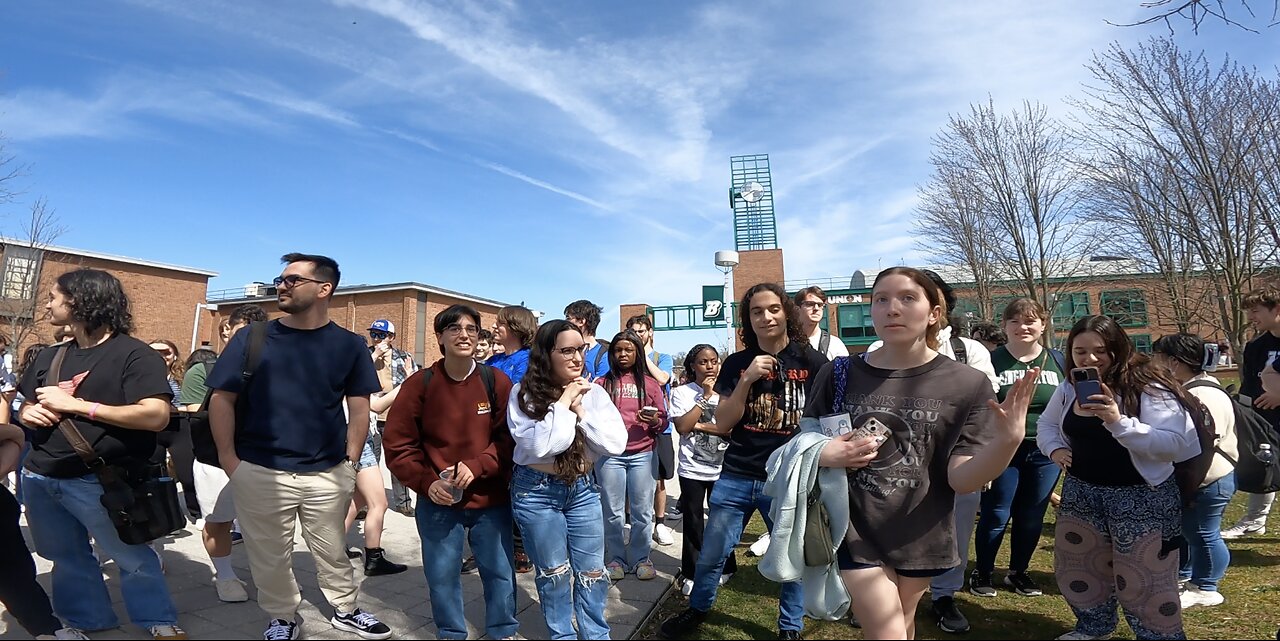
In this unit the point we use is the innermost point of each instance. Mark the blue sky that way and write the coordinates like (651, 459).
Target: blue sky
(537, 152)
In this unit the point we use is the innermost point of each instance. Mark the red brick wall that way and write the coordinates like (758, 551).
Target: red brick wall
(627, 311)
(755, 267)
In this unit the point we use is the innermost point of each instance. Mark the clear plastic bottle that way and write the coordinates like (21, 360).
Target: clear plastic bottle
(1265, 454)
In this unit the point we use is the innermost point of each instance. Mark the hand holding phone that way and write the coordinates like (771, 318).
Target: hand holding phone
(1086, 382)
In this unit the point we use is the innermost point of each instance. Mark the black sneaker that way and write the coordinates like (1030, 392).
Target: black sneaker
(1022, 584)
(683, 625)
(787, 635)
(281, 630)
(853, 621)
(362, 623)
(376, 563)
(469, 565)
(949, 617)
(980, 584)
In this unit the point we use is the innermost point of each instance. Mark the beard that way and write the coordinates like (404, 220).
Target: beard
(292, 305)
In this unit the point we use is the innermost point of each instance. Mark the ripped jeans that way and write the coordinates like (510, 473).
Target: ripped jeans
(563, 528)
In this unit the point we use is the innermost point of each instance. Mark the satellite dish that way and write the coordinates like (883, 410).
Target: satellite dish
(751, 192)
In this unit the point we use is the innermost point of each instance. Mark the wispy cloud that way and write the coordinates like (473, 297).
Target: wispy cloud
(507, 171)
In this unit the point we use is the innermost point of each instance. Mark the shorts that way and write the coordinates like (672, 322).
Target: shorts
(664, 458)
(845, 559)
(368, 456)
(213, 493)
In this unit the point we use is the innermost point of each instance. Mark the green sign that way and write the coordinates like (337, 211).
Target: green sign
(713, 302)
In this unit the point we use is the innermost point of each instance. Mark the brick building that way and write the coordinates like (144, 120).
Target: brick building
(166, 299)
(412, 307)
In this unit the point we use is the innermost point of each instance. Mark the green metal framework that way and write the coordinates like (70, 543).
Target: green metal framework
(754, 226)
(1128, 308)
(1141, 342)
(683, 317)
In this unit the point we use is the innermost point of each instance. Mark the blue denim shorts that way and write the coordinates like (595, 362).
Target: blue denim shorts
(368, 458)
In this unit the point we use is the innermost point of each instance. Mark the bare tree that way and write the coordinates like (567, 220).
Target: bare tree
(1197, 11)
(1196, 136)
(1022, 167)
(954, 227)
(19, 294)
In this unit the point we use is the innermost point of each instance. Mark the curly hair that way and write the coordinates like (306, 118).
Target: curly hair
(539, 391)
(97, 299)
(794, 331)
(1131, 372)
(28, 357)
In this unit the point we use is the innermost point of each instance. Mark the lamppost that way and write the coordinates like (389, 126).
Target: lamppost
(726, 260)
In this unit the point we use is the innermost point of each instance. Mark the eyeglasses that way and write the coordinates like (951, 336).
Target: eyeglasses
(292, 280)
(811, 304)
(456, 328)
(567, 353)
(377, 336)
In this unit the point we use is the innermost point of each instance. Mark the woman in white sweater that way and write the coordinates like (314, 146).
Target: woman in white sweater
(1119, 523)
(1204, 556)
(561, 424)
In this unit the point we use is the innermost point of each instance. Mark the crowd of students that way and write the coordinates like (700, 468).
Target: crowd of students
(545, 449)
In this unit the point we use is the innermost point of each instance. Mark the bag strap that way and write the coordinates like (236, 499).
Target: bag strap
(600, 353)
(959, 349)
(253, 353)
(840, 378)
(824, 342)
(1203, 383)
(486, 377)
(67, 426)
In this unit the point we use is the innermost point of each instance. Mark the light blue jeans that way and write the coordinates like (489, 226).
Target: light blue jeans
(441, 530)
(564, 536)
(627, 483)
(63, 515)
(1204, 555)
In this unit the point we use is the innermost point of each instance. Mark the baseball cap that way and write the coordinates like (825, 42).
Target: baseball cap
(383, 325)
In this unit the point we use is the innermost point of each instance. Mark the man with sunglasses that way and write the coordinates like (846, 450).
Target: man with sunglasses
(393, 367)
(290, 452)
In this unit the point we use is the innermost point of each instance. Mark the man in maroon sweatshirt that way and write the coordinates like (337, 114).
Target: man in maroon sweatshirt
(447, 438)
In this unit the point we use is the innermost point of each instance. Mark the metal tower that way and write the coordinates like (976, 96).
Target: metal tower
(751, 197)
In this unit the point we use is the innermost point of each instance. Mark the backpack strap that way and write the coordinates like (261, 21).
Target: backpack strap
(1203, 383)
(959, 349)
(253, 353)
(840, 378)
(600, 353)
(486, 377)
(824, 342)
(1059, 358)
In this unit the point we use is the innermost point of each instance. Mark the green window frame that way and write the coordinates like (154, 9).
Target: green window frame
(1141, 342)
(1069, 308)
(855, 321)
(1127, 307)
(969, 309)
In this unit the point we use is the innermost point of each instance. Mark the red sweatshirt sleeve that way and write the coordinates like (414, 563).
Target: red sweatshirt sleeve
(496, 459)
(402, 440)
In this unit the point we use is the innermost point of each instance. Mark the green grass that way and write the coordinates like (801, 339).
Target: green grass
(747, 607)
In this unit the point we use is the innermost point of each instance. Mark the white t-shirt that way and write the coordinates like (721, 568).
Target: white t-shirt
(835, 346)
(701, 454)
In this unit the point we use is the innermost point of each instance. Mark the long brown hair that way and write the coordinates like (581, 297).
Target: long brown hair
(176, 367)
(539, 391)
(1131, 371)
(931, 291)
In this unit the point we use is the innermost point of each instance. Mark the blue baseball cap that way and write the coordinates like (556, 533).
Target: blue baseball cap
(382, 325)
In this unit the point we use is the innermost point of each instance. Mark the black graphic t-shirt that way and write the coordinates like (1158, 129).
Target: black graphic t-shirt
(1261, 353)
(774, 405)
(902, 505)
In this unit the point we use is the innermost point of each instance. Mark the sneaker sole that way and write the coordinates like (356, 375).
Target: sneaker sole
(950, 630)
(986, 595)
(347, 627)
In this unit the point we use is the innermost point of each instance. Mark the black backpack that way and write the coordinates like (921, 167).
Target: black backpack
(824, 342)
(1252, 431)
(602, 353)
(202, 443)
(486, 377)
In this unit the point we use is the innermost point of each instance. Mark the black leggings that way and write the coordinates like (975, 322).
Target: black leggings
(21, 595)
(693, 501)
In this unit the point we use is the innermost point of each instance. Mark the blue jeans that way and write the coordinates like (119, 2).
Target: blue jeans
(1022, 492)
(1204, 556)
(626, 482)
(733, 500)
(441, 530)
(63, 514)
(563, 532)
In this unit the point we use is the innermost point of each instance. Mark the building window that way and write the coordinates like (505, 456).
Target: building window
(1128, 308)
(1069, 309)
(967, 309)
(21, 270)
(1141, 342)
(855, 321)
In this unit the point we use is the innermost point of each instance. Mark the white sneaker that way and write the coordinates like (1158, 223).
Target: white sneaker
(1244, 528)
(662, 534)
(200, 524)
(686, 587)
(66, 633)
(760, 546)
(231, 590)
(1194, 596)
(724, 577)
(1077, 635)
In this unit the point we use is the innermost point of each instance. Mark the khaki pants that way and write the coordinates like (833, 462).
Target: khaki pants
(269, 504)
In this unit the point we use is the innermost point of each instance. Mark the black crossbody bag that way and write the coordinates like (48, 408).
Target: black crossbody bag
(141, 499)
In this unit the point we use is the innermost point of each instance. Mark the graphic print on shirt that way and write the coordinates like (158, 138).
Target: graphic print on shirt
(708, 449)
(911, 422)
(772, 413)
(1047, 377)
(72, 385)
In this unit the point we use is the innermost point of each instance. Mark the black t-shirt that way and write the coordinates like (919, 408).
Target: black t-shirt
(121, 371)
(1260, 353)
(774, 405)
(1096, 456)
(294, 419)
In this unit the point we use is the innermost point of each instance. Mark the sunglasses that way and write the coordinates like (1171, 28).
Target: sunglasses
(377, 336)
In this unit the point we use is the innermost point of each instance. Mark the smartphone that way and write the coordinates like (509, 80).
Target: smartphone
(1086, 382)
(876, 430)
(649, 409)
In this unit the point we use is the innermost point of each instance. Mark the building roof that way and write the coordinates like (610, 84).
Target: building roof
(231, 298)
(111, 257)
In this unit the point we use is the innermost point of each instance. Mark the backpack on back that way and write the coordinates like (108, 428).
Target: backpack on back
(1190, 473)
(1252, 431)
(202, 443)
(601, 354)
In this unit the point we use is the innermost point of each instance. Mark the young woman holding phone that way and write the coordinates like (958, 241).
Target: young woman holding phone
(1116, 428)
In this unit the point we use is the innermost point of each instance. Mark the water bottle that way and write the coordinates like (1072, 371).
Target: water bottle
(1265, 454)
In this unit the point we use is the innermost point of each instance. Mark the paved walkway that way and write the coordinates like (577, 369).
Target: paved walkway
(400, 600)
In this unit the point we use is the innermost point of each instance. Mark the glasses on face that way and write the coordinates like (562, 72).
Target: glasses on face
(811, 304)
(458, 328)
(567, 353)
(377, 336)
(292, 280)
